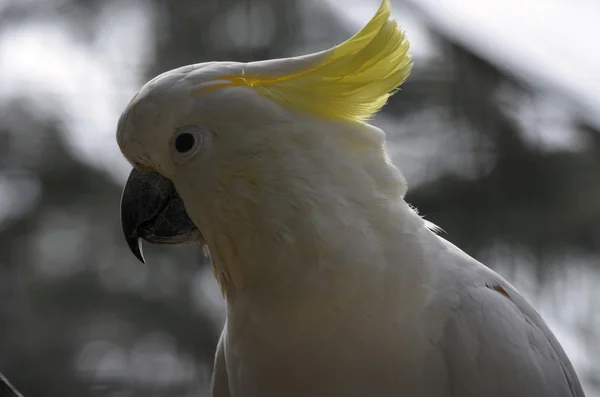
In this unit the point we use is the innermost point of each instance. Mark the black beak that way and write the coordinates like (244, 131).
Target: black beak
(152, 210)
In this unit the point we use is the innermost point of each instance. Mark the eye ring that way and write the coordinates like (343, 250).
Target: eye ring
(188, 141)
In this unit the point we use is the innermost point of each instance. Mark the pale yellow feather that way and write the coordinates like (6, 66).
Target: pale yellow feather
(351, 81)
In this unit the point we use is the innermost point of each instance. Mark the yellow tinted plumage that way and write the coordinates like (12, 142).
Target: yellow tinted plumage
(351, 81)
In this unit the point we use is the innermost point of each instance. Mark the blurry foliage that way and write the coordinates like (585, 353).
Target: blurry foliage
(73, 301)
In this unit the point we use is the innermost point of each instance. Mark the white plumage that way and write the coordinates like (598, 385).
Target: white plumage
(334, 285)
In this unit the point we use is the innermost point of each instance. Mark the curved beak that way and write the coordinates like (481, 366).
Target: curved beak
(152, 210)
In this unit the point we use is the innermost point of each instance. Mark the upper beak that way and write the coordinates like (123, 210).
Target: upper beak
(152, 210)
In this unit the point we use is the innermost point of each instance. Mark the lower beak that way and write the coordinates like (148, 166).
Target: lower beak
(152, 210)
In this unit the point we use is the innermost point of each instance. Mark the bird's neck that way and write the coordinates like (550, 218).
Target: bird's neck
(331, 257)
(330, 228)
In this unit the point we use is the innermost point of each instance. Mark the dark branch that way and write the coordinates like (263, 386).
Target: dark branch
(6, 389)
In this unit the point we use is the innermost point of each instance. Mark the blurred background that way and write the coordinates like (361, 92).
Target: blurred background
(497, 131)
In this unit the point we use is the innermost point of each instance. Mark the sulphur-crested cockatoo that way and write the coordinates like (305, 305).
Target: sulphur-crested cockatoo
(335, 287)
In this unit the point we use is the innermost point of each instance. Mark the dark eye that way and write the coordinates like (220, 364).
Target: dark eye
(189, 141)
(184, 142)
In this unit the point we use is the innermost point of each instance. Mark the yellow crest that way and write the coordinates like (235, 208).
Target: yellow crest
(351, 81)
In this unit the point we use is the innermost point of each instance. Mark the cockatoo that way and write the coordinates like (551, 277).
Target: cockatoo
(335, 286)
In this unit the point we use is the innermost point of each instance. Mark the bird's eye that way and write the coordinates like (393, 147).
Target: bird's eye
(184, 142)
(189, 141)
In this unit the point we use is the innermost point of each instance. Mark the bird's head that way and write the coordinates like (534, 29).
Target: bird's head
(224, 140)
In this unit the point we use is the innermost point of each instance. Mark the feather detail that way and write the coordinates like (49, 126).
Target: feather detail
(350, 82)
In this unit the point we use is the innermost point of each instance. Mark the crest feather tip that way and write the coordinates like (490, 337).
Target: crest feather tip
(351, 81)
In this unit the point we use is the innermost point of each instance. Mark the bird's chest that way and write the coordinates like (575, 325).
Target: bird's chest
(342, 358)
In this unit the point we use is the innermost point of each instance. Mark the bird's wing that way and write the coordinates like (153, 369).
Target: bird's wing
(220, 380)
(493, 342)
